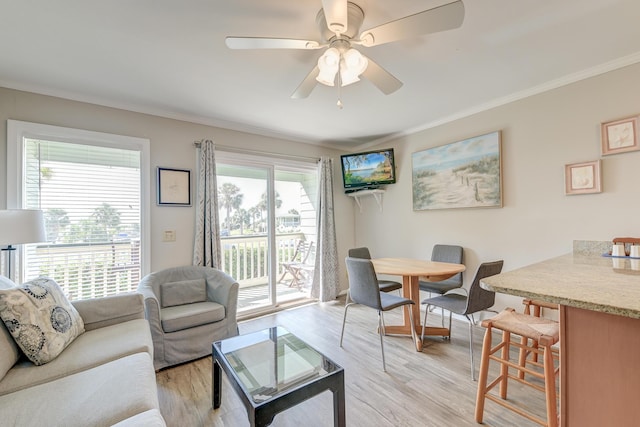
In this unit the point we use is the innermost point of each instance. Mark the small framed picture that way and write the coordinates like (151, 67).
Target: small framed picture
(620, 136)
(174, 187)
(583, 178)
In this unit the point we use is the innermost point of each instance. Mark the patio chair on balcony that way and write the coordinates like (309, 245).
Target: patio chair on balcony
(301, 266)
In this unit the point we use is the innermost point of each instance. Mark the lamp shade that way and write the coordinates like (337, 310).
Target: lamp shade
(21, 226)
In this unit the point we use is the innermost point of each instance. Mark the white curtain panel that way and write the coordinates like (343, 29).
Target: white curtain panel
(206, 249)
(325, 277)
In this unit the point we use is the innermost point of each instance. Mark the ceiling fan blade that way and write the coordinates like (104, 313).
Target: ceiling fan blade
(269, 43)
(335, 12)
(307, 85)
(442, 18)
(381, 78)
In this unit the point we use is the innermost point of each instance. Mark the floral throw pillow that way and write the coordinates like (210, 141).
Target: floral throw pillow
(40, 318)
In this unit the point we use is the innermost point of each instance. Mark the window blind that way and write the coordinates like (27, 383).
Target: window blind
(91, 198)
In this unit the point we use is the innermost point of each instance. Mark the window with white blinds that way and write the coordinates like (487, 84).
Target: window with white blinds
(92, 199)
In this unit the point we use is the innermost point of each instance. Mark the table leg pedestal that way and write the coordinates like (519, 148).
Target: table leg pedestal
(411, 290)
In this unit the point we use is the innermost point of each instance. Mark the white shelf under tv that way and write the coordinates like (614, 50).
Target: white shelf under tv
(377, 194)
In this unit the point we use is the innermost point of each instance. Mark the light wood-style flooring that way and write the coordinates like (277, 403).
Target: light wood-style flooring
(431, 388)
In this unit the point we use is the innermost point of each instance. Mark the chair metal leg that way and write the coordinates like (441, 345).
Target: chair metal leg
(381, 330)
(473, 372)
(448, 337)
(344, 321)
(424, 324)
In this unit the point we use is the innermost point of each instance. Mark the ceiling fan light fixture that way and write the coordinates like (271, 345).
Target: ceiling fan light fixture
(355, 61)
(326, 78)
(328, 63)
(347, 78)
(352, 64)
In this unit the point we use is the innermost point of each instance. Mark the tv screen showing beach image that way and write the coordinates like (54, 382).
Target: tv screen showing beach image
(368, 168)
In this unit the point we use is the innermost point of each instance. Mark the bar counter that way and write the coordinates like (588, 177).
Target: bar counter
(599, 299)
(597, 283)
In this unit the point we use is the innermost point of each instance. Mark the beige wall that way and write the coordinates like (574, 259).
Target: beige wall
(171, 146)
(540, 134)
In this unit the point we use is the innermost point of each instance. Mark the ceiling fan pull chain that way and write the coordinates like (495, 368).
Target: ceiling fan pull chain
(339, 78)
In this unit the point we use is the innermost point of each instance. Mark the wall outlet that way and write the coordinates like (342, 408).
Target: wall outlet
(169, 236)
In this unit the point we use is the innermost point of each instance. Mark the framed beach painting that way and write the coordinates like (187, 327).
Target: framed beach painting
(463, 174)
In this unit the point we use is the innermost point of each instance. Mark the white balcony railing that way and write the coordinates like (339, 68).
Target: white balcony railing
(86, 270)
(245, 257)
(96, 270)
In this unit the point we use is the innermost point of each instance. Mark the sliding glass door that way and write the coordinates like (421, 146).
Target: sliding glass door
(268, 227)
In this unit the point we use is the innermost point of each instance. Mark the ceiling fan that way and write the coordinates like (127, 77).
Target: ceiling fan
(339, 22)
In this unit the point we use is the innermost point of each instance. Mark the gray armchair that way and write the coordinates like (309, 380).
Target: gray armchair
(188, 308)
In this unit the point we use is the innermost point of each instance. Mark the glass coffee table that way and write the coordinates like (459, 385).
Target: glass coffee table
(273, 370)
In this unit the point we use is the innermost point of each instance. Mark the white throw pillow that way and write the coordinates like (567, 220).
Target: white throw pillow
(40, 318)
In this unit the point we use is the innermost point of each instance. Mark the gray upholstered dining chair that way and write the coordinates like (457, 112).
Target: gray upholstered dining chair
(364, 289)
(384, 285)
(477, 300)
(444, 253)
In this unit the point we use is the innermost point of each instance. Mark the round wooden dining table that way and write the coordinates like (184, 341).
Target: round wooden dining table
(411, 270)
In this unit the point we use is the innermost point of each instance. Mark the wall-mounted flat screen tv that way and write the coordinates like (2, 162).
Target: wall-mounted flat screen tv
(368, 170)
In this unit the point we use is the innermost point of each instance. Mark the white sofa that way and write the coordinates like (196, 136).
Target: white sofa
(104, 377)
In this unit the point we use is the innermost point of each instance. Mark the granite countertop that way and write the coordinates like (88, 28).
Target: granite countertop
(591, 282)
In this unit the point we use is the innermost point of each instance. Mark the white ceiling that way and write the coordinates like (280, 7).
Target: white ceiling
(168, 57)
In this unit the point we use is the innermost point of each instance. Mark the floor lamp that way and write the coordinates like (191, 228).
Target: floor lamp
(18, 226)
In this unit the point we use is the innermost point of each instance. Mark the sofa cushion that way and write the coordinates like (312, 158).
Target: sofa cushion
(8, 347)
(89, 350)
(106, 311)
(183, 292)
(150, 418)
(40, 318)
(9, 352)
(189, 315)
(101, 396)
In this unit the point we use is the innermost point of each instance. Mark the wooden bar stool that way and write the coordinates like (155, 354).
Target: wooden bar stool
(537, 306)
(546, 332)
